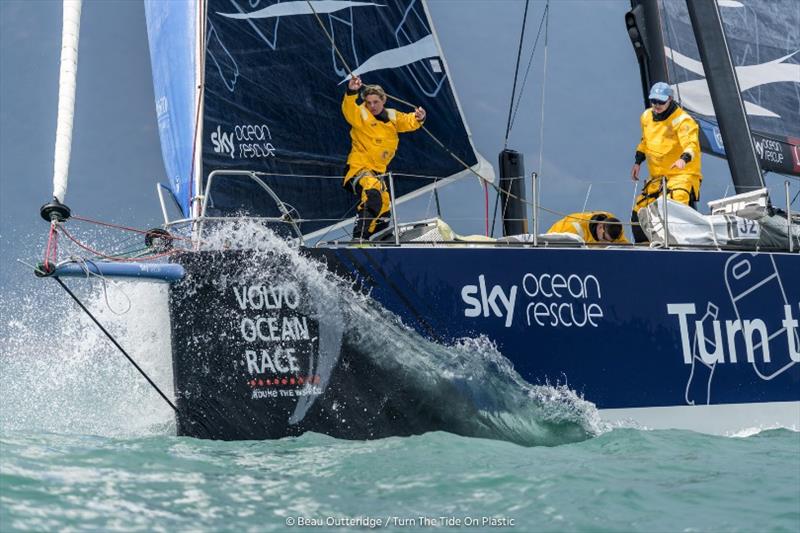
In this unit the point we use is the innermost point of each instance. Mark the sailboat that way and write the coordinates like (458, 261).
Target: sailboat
(248, 95)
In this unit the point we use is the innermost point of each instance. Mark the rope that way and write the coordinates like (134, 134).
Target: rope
(494, 213)
(125, 228)
(105, 281)
(434, 196)
(114, 341)
(516, 74)
(586, 200)
(52, 245)
(112, 257)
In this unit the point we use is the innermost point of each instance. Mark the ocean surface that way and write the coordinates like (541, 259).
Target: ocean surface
(87, 445)
(622, 480)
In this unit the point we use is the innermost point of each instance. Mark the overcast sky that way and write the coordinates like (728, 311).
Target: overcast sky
(591, 109)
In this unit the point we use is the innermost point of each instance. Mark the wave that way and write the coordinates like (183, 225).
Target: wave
(59, 373)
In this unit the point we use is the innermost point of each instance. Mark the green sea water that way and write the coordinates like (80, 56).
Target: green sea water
(622, 480)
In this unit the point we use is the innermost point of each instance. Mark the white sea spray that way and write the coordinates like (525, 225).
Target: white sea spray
(61, 374)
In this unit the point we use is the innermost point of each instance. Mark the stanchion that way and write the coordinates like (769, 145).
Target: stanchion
(394, 213)
(535, 209)
(665, 217)
(789, 216)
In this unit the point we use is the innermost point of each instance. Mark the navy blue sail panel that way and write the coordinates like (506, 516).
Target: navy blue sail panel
(172, 35)
(764, 42)
(273, 93)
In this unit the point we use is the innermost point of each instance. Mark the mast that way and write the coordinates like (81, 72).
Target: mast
(725, 94)
(644, 30)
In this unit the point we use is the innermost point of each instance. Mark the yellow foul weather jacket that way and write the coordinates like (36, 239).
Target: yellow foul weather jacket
(375, 139)
(664, 141)
(579, 224)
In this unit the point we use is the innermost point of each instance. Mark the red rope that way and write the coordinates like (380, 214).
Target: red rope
(126, 228)
(112, 258)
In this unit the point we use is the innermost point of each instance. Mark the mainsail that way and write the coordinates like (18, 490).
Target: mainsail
(271, 101)
(764, 43)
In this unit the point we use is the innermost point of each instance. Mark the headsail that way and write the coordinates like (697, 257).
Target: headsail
(173, 34)
(764, 43)
(272, 100)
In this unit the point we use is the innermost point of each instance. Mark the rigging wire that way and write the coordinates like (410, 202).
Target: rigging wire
(125, 228)
(111, 257)
(541, 118)
(511, 109)
(494, 213)
(516, 75)
(530, 62)
(83, 265)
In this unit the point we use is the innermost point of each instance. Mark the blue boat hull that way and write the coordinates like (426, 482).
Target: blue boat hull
(632, 330)
(618, 325)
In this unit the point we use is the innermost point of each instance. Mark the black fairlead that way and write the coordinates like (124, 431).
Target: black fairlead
(55, 211)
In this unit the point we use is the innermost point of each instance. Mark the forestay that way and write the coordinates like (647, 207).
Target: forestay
(273, 85)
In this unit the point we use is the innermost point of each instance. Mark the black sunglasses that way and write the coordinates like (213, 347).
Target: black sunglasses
(657, 102)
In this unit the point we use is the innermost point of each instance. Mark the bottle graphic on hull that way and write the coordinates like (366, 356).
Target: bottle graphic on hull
(698, 386)
(759, 300)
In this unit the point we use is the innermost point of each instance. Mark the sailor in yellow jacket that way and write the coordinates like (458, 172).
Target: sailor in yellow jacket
(671, 145)
(593, 227)
(374, 130)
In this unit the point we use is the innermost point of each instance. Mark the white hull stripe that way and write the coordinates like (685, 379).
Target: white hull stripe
(723, 419)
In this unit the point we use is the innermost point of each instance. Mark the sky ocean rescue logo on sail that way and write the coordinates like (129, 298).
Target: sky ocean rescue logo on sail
(246, 141)
(554, 300)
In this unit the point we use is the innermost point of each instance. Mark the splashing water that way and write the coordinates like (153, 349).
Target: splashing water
(473, 385)
(68, 377)
(59, 372)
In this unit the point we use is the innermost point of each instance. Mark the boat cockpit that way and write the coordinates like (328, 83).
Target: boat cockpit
(741, 222)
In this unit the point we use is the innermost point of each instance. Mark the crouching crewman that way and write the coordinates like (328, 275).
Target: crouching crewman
(593, 227)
